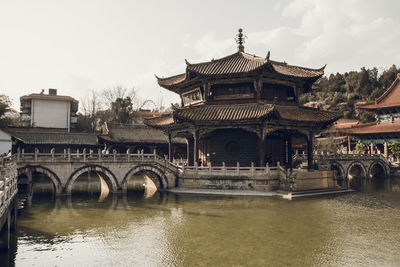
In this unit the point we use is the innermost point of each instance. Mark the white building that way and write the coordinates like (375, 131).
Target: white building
(49, 110)
(5, 142)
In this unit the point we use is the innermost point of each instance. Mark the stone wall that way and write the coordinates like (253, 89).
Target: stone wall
(314, 180)
(229, 182)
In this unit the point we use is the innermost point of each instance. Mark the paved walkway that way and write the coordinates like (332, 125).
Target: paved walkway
(253, 193)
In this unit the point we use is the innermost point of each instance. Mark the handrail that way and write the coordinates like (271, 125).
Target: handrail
(8, 184)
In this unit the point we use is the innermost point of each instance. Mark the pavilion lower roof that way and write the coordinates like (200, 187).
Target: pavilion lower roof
(243, 112)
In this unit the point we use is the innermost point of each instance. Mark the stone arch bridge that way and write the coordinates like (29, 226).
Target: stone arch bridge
(366, 165)
(115, 169)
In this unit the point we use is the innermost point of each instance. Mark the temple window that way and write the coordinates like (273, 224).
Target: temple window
(192, 97)
(232, 91)
(279, 91)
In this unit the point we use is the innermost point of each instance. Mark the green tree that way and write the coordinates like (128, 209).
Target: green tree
(395, 148)
(122, 109)
(359, 148)
(5, 104)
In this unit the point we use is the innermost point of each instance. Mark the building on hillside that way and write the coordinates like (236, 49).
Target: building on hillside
(242, 108)
(44, 111)
(336, 138)
(386, 129)
(140, 139)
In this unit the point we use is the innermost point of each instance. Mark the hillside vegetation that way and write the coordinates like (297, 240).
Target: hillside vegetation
(339, 92)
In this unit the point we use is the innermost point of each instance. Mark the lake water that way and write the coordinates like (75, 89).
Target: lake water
(356, 229)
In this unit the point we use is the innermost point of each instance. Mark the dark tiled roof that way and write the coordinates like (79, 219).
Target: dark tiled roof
(242, 112)
(137, 134)
(163, 120)
(235, 112)
(306, 114)
(56, 138)
(236, 63)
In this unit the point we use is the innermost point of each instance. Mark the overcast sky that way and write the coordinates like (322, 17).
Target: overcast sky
(78, 46)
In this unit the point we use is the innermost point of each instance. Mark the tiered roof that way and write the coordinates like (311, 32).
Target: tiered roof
(389, 99)
(237, 63)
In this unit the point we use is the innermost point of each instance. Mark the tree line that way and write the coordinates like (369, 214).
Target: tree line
(340, 92)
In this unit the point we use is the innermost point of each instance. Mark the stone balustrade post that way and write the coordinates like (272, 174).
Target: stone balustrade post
(196, 167)
(114, 155)
(65, 153)
(223, 168)
(52, 154)
(36, 154)
(238, 168)
(209, 168)
(268, 170)
(128, 154)
(99, 154)
(155, 154)
(77, 153)
(252, 169)
(84, 154)
(142, 153)
(69, 154)
(23, 152)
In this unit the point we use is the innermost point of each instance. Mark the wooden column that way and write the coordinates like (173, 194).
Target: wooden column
(190, 151)
(261, 149)
(206, 89)
(310, 155)
(289, 151)
(170, 153)
(385, 150)
(196, 146)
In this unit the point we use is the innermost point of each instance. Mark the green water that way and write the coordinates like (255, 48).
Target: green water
(357, 229)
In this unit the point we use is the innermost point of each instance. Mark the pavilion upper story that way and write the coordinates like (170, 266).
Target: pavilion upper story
(241, 78)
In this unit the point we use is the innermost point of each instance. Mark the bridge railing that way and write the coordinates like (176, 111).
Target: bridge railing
(341, 157)
(91, 157)
(8, 184)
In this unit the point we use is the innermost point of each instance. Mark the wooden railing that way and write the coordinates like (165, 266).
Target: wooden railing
(8, 184)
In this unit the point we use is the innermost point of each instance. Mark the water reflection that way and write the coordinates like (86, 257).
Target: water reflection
(356, 229)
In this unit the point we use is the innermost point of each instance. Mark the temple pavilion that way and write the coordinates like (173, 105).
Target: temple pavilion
(386, 129)
(242, 109)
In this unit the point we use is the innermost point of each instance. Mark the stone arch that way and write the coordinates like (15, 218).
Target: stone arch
(339, 172)
(380, 163)
(46, 171)
(360, 165)
(108, 175)
(149, 168)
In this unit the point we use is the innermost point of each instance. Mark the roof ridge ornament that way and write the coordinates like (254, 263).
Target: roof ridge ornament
(268, 54)
(240, 40)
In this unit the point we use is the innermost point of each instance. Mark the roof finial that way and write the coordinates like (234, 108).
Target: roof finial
(240, 40)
